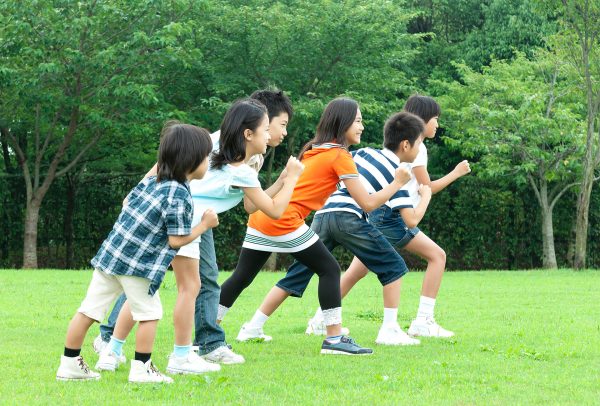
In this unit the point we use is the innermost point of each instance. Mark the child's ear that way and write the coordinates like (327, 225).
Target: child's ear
(248, 134)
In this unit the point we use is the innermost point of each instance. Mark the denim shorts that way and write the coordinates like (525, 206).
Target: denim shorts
(391, 225)
(359, 237)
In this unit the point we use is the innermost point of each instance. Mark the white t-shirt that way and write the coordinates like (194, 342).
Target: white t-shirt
(413, 185)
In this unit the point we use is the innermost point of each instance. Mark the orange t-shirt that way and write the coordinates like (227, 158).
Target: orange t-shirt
(324, 166)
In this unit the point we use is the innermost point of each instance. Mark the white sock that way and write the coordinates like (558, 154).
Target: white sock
(332, 316)
(259, 319)
(221, 312)
(426, 305)
(318, 314)
(390, 316)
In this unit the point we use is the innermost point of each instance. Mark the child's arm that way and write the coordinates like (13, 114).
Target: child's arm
(413, 216)
(369, 202)
(440, 184)
(275, 206)
(271, 191)
(209, 220)
(152, 172)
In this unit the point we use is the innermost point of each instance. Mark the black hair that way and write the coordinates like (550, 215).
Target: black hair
(337, 117)
(276, 102)
(182, 149)
(243, 114)
(423, 106)
(403, 126)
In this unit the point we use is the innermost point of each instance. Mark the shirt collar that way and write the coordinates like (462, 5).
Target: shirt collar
(391, 156)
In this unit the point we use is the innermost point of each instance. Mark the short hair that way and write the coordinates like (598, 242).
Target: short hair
(276, 102)
(182, 149)
(243, 114)
(338, 116)
(402, 126)
(423, 106)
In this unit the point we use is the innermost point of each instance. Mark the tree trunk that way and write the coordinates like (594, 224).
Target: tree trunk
(581, 220)
(31, 230)
(549, 254)
(68, 225)
(271, 264)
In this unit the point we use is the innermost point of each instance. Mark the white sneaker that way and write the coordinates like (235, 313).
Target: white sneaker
(223, 355)
(249, 333)
(393, 335)
(317, 327)
(146, 373)
(109, 361)
(99, 344)
(75, 369)
(427, 327)
(190, 364)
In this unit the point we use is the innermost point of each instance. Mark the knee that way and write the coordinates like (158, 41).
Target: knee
(439, 256)
(190, 288)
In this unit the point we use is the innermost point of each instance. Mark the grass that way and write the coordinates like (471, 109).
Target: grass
(522, 338)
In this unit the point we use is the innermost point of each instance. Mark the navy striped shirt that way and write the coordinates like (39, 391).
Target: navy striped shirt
(376, 169)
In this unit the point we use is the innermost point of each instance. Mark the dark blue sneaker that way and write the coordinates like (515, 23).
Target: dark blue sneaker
(346, 346)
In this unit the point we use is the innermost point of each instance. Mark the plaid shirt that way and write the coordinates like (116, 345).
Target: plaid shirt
(138, 244)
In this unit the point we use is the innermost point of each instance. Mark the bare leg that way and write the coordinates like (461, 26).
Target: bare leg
(334, 330)
(355, 272)
(188, 287)
(391, 294)
(435, 256)
(78, 327)
(144, 338)
(273, 300)
(125, 322)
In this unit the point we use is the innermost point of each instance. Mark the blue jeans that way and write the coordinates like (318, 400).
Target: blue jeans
(359, 237)
(390, 223)
(209, 335)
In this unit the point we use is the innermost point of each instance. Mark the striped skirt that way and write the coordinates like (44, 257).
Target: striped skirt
(296, 241)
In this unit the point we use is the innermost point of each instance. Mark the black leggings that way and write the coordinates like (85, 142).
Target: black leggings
(317, 258)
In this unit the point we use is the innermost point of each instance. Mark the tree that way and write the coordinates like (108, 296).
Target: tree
(580, 42)
(520, 119)
(65, 86)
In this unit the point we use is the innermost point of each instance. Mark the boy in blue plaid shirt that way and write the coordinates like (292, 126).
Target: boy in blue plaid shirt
(153, 225)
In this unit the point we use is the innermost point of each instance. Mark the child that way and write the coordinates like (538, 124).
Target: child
(133, 259)
(401, 230)
(326, 161)
(341, 221)
(244, 133)
(209, 336)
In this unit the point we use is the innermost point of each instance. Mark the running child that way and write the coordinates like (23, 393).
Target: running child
(133, 259)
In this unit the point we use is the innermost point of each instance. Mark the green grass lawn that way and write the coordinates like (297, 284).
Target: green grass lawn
(522, 337)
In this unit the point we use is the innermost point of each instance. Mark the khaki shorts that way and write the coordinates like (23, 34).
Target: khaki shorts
(105, 288)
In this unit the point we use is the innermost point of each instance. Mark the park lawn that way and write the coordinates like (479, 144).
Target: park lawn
(522, 337)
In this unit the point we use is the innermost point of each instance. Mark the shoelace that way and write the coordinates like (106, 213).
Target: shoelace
(153, 369)
(83, 365)
(348, 340)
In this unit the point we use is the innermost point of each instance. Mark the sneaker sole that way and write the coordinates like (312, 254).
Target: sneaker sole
(395, 344)
(146, 382)
(224, 362)
(253, 340)
(62, 378)
(186, 372)
(106, 367)
(337, 352)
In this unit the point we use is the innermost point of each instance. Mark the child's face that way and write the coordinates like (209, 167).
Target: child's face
(200, 171)
(431, 127)
(258, 139)
(278, 129)
(408, 153)
(353, 133)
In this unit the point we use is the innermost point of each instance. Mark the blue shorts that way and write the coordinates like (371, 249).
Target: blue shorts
(359, 237)
(391, 225)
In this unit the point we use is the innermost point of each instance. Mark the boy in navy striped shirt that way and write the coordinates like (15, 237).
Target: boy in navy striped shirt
(341, 221)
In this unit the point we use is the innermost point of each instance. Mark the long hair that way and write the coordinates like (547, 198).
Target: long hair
(337, 117)
(423, 106)
(243, 114)
(182, 149)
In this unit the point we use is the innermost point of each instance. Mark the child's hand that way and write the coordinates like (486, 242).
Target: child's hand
(294, 167)
(463, 168)
(210, 218)
(425, 191)
(402, 175)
